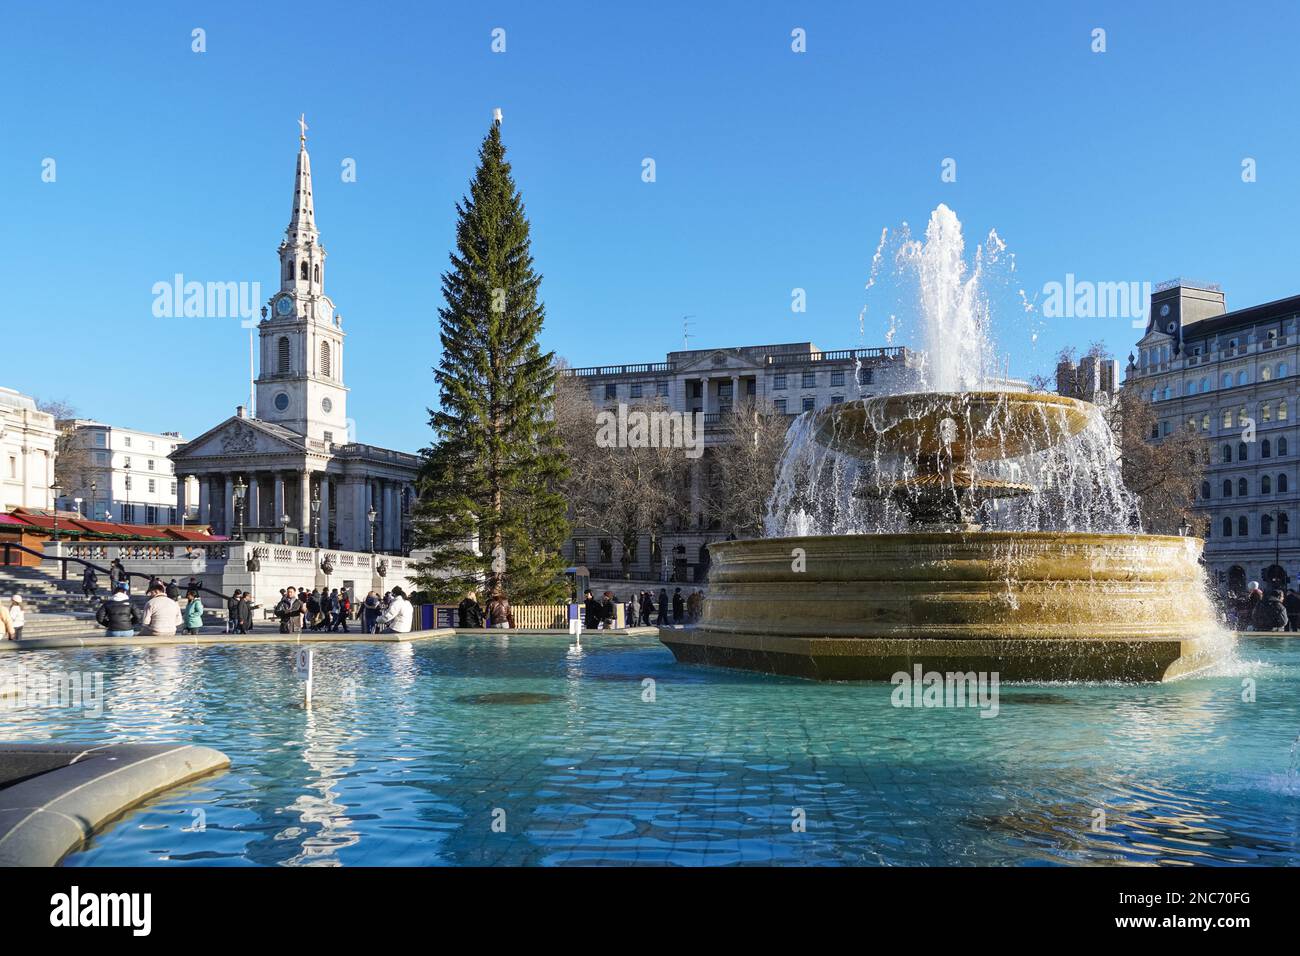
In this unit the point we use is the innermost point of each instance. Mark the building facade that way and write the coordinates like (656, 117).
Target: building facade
(786, 379)
(1092, 379)
(122, 475)
(1232, 377)
(28, 439)
(290, 469)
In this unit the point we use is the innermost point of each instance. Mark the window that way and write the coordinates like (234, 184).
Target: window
(837, 399)
(724, 390)
(128, 513)
(1265, 449)
(126, 440)
(1283, 523)
(152, 489)
(1241, 451)
(1227, 487)
(809, 380)
(1281, 483)
(1166, 395)
(1205, 489)
(1227, 454)
(1191, 388)
(1243, 527)
(1241, 416)
(778, 381)
(866, 376)
(779, 405)
(635, 391)
(282, 365)
(325, 359)
(837, 378)
(1265, 485)
(661, 389)
(329, 437)
(99, 439)
(151, 463)
(809, 403)
(1227, 380)
(580, 551)
(1243, 378)
(1281, 369)
(1227, 527)
(302, 270)
(1227, 418)
(1266, 412)
(128, 482)
(126, 462)
(606, 551)
(173, 487)
(315, 272)
(1281, 447)
(611, 391)
(1265, 524)
(1281, 410)
(13, 467)
(288, 269)
(1205, 422)
(1205, 384)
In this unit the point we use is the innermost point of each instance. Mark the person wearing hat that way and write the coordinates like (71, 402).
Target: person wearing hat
(5, 624)
(17, 616)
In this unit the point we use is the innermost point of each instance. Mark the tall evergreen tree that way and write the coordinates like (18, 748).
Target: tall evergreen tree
(491, 477)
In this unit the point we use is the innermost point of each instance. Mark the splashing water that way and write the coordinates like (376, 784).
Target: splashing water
(1076, 480)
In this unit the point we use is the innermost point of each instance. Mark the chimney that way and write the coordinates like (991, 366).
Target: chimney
(239, 411)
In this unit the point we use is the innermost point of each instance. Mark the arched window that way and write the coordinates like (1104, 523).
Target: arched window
(1266, 524)
(1266, 374)
(1281, 447)
(1227, 418)
(1241, 451)
(1166, 394)
(1227, 487)
(282, 363)
(1227, 380)
(1265, 485)
(1243, 527)
(288, 269)
(1281, 483)
(1205, 422)
(1205, 384)
(1283, 523)
(1266, 449)
(1155, 396)
(1205, 489)
(1243, 378)
(1191, 388)
(315, 273)
(1243, 489)
(1281, 369)
(1227, 527)
(1266, 412)
(325, 359)
(1281, 410)
(303, 273)
(1227, 454)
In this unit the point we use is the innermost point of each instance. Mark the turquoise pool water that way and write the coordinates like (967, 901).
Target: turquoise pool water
(475, 751)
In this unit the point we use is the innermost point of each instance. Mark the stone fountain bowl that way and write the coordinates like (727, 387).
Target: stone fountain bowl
(985, 425)
(1028, 606)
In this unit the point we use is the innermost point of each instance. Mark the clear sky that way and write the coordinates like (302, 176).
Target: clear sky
(775, 170)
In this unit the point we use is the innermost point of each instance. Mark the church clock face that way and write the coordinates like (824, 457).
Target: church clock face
(281, 401)
(283, 306)
(326, 405)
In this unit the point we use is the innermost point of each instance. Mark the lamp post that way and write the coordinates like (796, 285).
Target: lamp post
(240, 490)
(370, 516)
(77, 502)
(315, 519)
(57, 491)
(284, 529)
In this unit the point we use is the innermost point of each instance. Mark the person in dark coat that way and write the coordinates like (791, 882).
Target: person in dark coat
(1270, 614)
(370, 612)
(594, 613)
(471, 615)
(118, 616)
(1292, 604)
(117, 575)
(663, 608)
(244, 614)
(173, 590)
(89, 584)
(679, 607)
(647, 607)
(232, 611)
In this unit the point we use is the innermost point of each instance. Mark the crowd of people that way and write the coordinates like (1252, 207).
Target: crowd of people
(1259, 611)
(497, 614)
(643, 609)
(320, 609)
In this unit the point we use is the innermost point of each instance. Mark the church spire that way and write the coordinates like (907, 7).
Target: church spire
(302, 222)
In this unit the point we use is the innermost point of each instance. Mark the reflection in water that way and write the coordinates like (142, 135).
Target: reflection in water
(697, 767)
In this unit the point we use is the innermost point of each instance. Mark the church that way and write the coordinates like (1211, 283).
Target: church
(287, 470)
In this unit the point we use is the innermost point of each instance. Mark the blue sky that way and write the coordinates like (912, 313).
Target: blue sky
(775, 171)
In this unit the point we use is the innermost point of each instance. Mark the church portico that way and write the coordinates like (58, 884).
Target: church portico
(275, 472)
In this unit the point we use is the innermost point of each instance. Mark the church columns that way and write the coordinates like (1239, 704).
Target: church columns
(278, 499)
(228, 515)
(324, 532)
(304, 514)
(181, 500)
(205, 500)
(253, 503)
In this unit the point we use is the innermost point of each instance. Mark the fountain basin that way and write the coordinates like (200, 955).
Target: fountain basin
(1029, 606)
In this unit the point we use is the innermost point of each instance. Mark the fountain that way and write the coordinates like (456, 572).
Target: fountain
(969, 525)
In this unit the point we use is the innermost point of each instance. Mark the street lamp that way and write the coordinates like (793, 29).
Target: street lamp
(77, 502)
(371, 515)
(57, 491)
(284, 529)
(315, 519)
(240, 490)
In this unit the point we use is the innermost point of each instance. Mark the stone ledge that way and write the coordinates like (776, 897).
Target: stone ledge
(45, 816)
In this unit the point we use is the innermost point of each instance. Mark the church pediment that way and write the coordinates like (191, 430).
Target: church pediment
(240, 436)
(719, 360)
